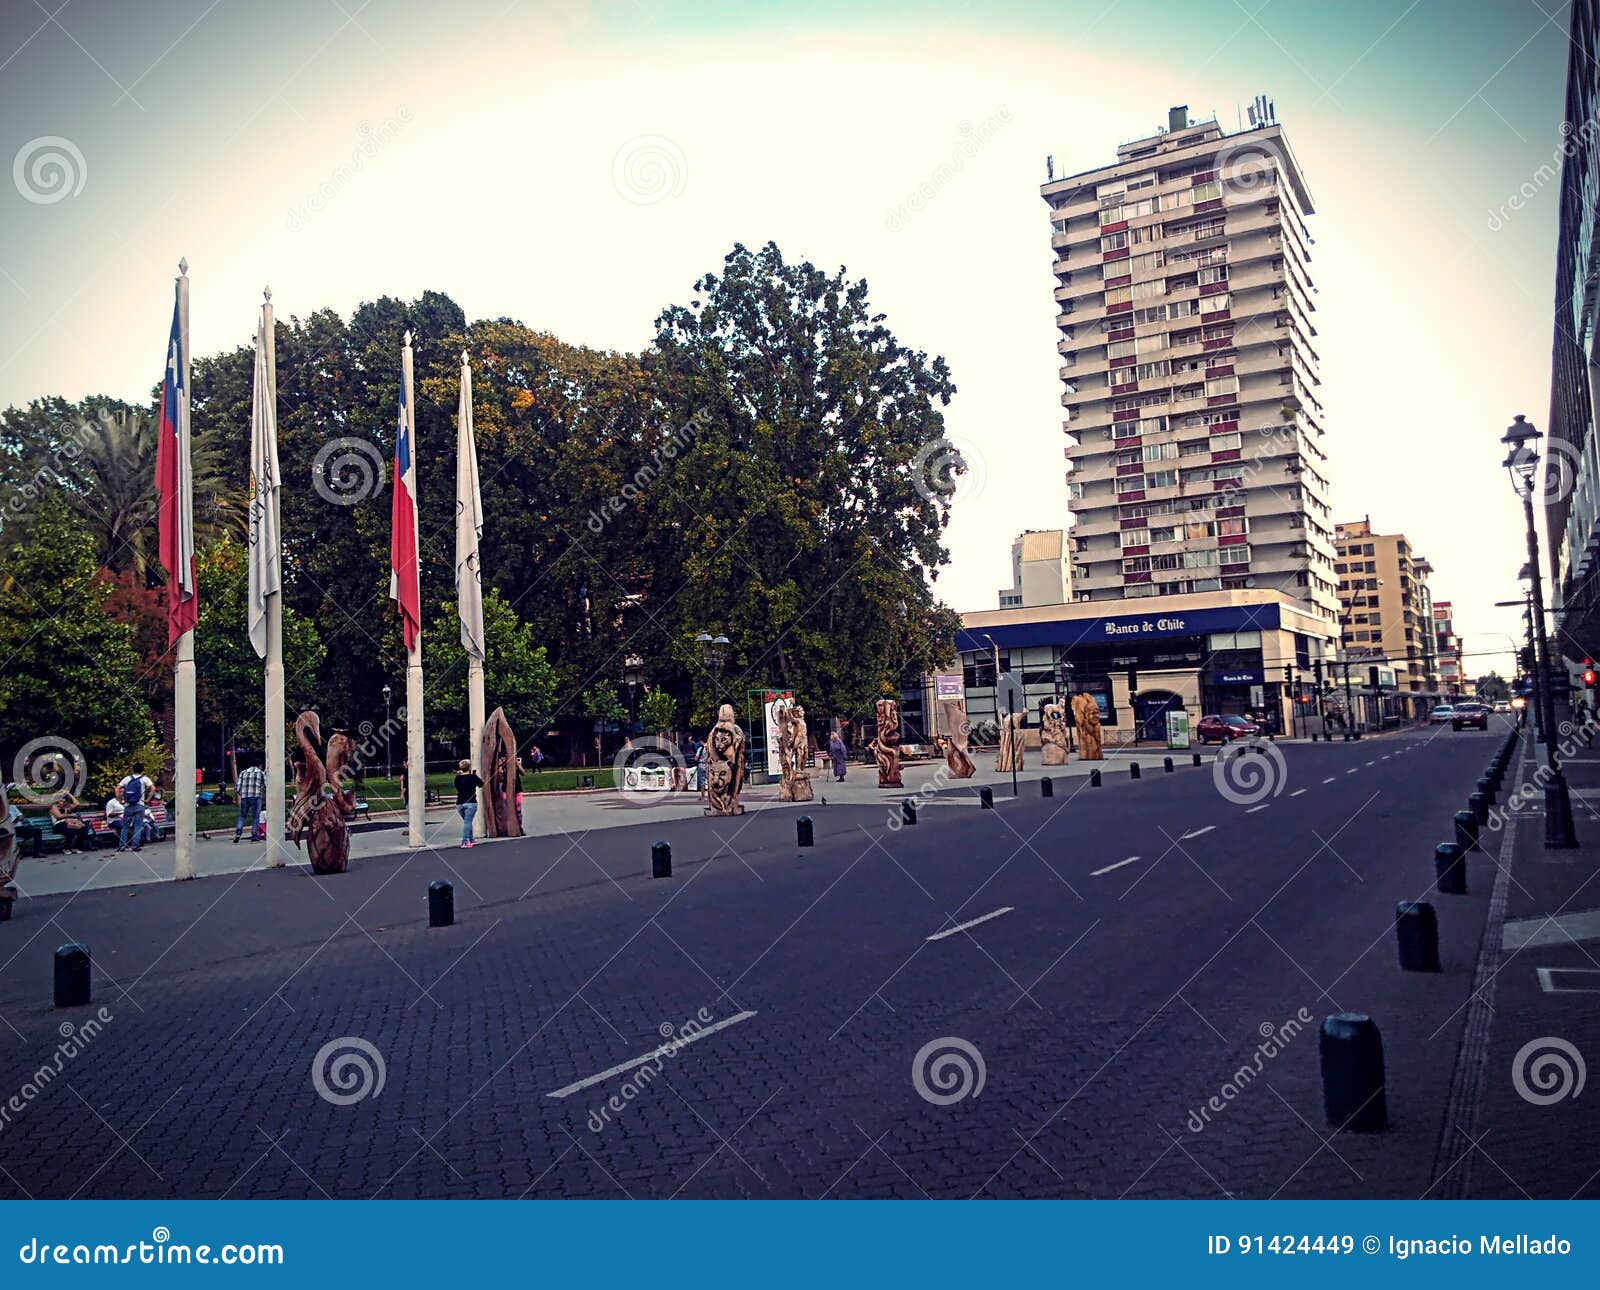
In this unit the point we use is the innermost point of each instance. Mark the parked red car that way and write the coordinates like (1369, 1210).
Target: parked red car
(1216, 729)
(1475, 715)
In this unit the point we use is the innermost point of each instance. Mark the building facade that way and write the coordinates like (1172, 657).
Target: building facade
(1195, 435)
(1040, 572)
(1386, 613)
(1453, 680)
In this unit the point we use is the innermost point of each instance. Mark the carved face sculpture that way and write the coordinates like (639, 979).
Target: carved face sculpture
(888, 712)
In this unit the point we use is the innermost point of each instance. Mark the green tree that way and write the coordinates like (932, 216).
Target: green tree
(67, 668)
(1493, 688)
(517, 674)
(601, 704)
(659, 711)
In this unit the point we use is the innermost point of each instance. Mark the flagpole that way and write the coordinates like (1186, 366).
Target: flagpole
(183, 753)
(416, 766)
(475, 703)
(276, 805)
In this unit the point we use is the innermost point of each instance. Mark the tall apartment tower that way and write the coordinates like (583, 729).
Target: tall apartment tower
(1194, 429)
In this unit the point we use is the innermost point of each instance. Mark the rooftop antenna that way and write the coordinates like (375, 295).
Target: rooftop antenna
(1272, 112)
(1252, 116)
(1050, 167)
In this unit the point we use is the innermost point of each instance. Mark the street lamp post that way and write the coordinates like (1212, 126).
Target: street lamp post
(632, 673)
(713, 657)
(1064, 671)
(388, 763)
(1522, 464)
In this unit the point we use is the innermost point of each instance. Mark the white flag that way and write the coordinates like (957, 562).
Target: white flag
(265, 552)
(469, 523)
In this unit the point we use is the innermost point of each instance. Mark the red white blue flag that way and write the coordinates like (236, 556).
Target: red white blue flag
(174, 482)
(404, 586)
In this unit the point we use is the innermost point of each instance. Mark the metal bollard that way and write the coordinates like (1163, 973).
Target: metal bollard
(1133, 770)
(1166, 764)
(441, 903)
(802, 831)
(1352, 1073)
(1416, 928)
(1094, 779)
(1196, 757)
(661, 860)
(908, 811)
(72, 976)
(1478, 804)
(1466, 831)
(1450, 869)
(1047, 787)
(986, 798)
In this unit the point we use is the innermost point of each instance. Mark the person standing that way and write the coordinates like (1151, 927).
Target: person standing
(135, 790)
(467, 786)
(701, 758)
(839, 755)
(252, 789)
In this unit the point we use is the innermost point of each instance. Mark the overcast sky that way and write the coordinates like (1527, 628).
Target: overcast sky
(578, 166)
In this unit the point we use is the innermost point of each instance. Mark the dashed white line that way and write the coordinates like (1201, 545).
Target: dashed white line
(1254, 809)
(1298, 791)
(1194, 833)
(1352, 770)
(1330, 779)
(1095, 873)
(1372, 763)
(678, 1042)
(951, 931)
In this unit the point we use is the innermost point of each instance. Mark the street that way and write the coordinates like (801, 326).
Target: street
(1127, 983)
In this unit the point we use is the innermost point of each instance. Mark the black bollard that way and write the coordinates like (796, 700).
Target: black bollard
(1196, 757)
(1450, 869)
(441, 903)
(1416, 928)
(1133, 770)
(72, 976)
(1478, 804)
(802, 831)
(1166, 764)
(661, 860)
(1352, 1073)
(986, 798)
(908, 811)
(1094, 779)
(1047, 787)
(1466, 831)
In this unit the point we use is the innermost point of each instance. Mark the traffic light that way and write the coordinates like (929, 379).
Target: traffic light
(1589, 677)
(1372, 676)
(1525, 659)
(1316, 668)
(1288, 676)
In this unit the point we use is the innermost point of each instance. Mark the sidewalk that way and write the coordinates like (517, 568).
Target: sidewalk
(1526, 1115)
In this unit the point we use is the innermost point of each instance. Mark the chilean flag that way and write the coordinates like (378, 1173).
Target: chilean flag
(175, 519)
(403, 581)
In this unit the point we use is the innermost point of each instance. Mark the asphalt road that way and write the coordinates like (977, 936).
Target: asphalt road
(1155, 935)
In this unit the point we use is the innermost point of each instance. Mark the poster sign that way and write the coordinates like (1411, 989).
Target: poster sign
(1009, 695)
(1258, 698)
(1177, 728)
(773, 703)
(948, 685)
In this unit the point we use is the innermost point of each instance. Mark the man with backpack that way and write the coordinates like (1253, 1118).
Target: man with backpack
(135, 789)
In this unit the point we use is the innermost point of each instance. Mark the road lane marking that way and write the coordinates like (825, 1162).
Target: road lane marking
(678, 1042)
(1352, 770)
(1330, 779)
(951, 931)
(1194, 833)
(1254, 809)
(1372, 763)
(1095, 873)
(1297, 792)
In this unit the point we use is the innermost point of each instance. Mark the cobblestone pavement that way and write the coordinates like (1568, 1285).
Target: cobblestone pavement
(1106, 1007)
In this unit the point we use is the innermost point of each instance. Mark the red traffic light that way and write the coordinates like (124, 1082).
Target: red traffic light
(1589, 677)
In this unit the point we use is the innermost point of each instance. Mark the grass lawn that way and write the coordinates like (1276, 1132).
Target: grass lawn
(384, 794)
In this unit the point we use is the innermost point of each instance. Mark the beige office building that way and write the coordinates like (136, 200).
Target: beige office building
(1386, 614)
(1195, 435)
(1040, 573)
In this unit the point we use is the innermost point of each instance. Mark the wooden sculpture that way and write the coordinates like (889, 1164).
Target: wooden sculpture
(497, 761)
(724, 765)
(1011, 751)
(10, 858)
(956, 760)
(322, 804)
(1086, 713)
(1053, 735)
(885, 744)
(794, 754)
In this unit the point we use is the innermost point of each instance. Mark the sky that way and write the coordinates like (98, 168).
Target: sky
(578, 166)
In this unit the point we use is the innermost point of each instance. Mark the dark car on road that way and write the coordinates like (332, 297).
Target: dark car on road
(1473, 716)
(1216, 729)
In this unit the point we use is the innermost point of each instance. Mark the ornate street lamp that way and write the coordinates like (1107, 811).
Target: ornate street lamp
(1522, 467)
(632, 674)
(388, 766)
(713, 657)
